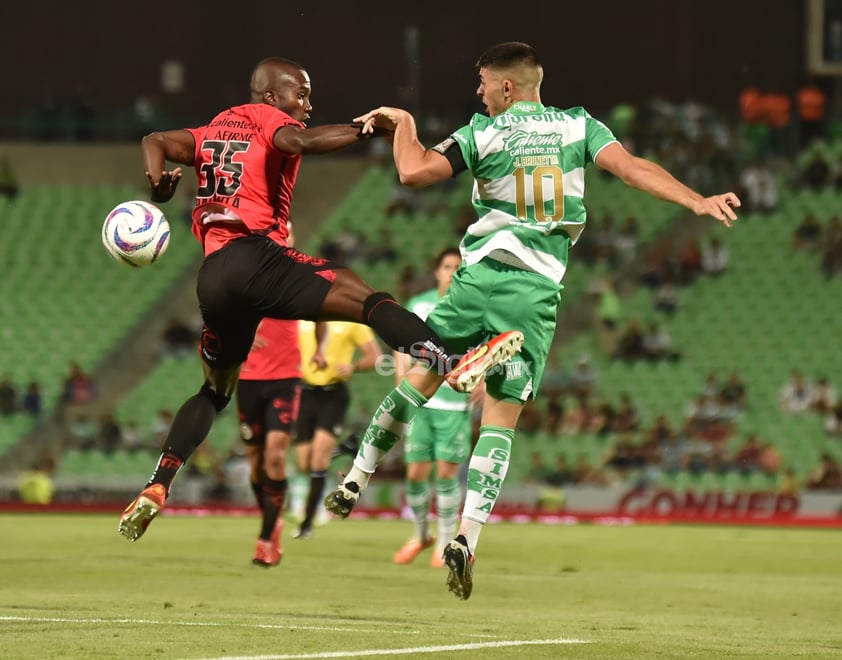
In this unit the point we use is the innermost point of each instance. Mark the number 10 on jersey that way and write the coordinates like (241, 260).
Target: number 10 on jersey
(547, 187)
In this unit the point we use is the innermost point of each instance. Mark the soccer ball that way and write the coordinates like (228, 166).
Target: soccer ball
(136, 233)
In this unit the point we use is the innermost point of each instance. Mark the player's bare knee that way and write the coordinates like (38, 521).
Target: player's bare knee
(274, 466)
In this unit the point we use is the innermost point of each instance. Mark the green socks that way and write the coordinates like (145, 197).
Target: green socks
(388, 425)
(486, 473)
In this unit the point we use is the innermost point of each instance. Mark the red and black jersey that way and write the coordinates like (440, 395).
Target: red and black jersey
(244, 180)
(276, 354)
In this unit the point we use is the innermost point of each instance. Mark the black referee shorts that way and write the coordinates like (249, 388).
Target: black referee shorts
(322, 407)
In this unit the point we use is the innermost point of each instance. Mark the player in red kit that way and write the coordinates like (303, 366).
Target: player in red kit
(246, 160)
(268, 395)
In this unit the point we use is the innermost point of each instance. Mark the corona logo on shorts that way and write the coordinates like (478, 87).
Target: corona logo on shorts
(246, 432)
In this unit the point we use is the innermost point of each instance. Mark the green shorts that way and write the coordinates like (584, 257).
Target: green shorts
(490, 297)
(439, 435)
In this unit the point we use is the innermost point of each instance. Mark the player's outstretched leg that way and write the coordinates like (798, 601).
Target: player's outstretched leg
(468, 372)
(189, 428)
(459, 562)
(141, 511)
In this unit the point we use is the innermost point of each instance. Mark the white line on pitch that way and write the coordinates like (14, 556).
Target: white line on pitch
(405, 651)
(201, 624)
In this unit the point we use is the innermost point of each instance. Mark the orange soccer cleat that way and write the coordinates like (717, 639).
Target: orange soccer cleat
(411, 549)
(141, 511)
(468, 372)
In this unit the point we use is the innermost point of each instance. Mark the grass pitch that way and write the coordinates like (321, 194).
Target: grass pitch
(70, 588)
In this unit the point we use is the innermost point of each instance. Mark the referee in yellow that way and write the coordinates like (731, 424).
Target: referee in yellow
(327, 366)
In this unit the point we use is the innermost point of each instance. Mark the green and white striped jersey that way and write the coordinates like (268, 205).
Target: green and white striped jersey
(528, 165)
(445, 398)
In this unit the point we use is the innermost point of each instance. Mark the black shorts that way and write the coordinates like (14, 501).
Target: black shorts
(322, 407)
(267, 405)
(249, 279)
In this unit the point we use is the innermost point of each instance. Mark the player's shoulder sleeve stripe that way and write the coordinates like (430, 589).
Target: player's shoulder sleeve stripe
(444, 145)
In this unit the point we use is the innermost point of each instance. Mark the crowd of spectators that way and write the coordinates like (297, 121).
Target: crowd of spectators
(13, 401)
(801, 395)
(823, 239)
(708, 440)
(106, 433)
(665, 269)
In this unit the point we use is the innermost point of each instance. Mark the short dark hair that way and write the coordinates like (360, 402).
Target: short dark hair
(448, 252)
(508, 54)
(281, 61)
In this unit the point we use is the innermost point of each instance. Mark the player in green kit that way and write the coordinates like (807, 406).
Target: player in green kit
(440, 437)
(528, 162)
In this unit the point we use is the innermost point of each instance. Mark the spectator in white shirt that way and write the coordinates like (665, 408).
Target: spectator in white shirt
(797, 394)
(824, 396)
(714, 257)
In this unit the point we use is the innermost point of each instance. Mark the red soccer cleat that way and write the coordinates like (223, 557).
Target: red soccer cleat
(269, 553)
(468, 372)
(266, 554)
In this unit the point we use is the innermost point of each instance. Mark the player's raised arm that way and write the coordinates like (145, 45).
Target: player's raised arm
(417, 166)
(320, 139)
(653, 179)
(175, 146)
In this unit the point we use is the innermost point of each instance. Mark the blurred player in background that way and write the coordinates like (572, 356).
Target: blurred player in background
(268, 395)
(528, 162)
(246, 161)
(439, 436)
(326, 369)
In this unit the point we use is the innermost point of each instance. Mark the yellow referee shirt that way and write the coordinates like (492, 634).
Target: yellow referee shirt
(343, 340)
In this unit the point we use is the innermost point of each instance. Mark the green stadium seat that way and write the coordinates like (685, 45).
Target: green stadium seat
(759, 481)
(683, 481)
(733, 482)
